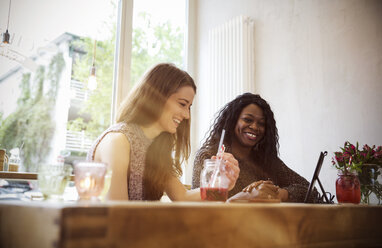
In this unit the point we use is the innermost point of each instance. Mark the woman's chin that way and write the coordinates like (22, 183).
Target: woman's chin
(248, 142)
(251, 142)
(172, 130)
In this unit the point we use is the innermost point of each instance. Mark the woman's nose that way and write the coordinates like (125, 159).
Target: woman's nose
(186, 114)
(253, 126)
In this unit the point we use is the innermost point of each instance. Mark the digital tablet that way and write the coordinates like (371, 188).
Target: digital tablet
(315, 178)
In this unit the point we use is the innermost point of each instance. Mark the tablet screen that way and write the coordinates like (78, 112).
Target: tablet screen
(315, 176)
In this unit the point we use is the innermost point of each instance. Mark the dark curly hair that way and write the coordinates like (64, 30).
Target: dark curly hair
(266, 149)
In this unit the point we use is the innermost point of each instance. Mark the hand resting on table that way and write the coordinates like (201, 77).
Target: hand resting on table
(264, 190)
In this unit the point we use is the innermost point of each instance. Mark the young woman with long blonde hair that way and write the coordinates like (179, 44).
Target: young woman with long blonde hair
(151, 138)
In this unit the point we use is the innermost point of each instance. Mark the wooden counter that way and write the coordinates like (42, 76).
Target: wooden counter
(157, 224)
(10, 175)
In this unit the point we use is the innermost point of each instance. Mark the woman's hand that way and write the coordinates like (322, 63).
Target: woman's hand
(267, 190)
(232, 168)
(283, 195)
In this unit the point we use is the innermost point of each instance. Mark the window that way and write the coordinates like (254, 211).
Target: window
(158, 35)
(48, 106)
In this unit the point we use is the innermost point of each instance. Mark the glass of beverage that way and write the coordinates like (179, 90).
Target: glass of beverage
(106, 186)
(3, 160)
(213, 181)
(52, 179)
(348, 188)
(89, 179)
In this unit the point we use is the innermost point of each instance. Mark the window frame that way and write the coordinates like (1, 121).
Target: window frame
(122, 65)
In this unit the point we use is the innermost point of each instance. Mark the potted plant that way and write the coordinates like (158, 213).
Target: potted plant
(367, 163)
(348, 189)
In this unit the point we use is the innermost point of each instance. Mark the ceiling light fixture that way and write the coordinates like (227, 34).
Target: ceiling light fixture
(7, 52)
(92, 81)
(6, 35)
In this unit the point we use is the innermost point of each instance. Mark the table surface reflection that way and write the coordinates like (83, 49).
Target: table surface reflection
(188, 224)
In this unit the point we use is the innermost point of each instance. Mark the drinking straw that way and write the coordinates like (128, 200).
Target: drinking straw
(220, 151)
(221, 142)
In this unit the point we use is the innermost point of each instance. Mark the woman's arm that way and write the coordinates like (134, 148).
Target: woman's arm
(114, 150)
(201, 155)
(177, 192)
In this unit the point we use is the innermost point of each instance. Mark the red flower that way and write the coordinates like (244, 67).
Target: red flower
(351, 158)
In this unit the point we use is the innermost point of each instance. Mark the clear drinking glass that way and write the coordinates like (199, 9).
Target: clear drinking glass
(52, 179)
(213, 181)
(89, 179)
(106, 185)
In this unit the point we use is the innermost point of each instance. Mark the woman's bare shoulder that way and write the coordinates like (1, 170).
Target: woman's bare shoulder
(115, 138)
(112, 145)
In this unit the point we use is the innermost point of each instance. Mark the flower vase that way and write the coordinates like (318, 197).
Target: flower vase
(371, 184)
(348, 188)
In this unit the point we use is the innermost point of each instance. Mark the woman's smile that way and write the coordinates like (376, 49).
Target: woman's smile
(251, 136)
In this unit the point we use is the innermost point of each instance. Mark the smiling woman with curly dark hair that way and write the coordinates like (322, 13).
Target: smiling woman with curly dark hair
(252, 137)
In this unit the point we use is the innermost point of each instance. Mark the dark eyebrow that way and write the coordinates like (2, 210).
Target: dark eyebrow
(255, 116)
(184, 100)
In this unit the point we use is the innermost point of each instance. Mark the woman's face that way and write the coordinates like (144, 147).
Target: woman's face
(250, 127)
(176, 109)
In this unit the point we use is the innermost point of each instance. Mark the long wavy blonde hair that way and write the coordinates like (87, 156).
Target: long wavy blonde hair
(143, 106)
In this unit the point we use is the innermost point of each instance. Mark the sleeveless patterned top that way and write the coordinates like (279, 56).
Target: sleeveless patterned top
(139, 144)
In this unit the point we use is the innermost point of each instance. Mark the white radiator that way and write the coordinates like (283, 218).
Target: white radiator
(232, 67)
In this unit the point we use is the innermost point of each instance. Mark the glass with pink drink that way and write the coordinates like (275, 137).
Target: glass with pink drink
(213, 181)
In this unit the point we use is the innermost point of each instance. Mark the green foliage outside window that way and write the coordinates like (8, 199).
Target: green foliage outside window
(31, 124)
(167, 46)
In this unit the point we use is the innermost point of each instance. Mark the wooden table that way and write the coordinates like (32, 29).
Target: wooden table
(18, 175)
(9, 175)
(200, 224)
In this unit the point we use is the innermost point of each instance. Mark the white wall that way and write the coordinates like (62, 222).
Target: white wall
(318, 64)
